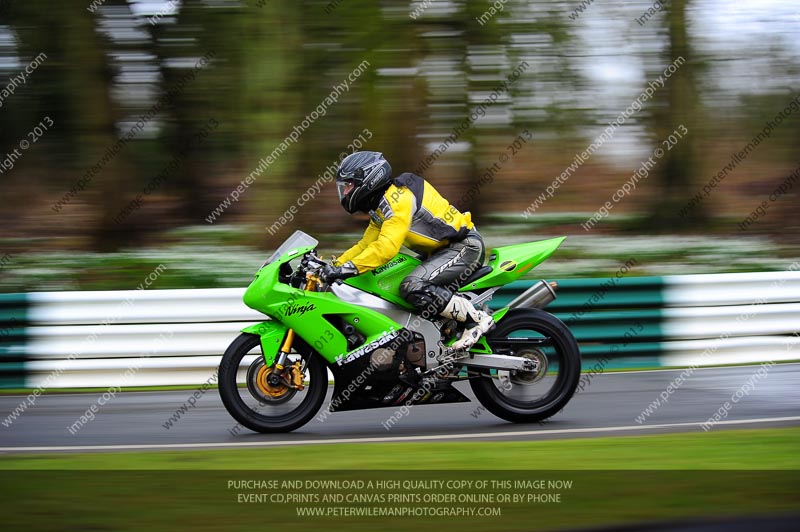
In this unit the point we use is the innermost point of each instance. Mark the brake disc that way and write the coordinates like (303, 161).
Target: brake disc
(260, 389)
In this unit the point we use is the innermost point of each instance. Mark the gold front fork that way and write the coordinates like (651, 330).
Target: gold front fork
(311, 285)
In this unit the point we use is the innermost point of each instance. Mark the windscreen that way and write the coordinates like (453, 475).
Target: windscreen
(298, 239)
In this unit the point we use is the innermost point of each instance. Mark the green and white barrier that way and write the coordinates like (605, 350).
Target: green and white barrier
(685, 320)
(163, 337)
(13, 339)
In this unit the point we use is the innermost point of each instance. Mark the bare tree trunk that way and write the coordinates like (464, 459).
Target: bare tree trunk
(679, 169)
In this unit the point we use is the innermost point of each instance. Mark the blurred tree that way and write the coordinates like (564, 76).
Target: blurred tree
(112, 37)
(678, 173)
(275, 61)
(78, 78)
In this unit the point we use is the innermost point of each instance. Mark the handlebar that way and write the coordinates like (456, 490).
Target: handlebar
(312, 262)
(312, 257)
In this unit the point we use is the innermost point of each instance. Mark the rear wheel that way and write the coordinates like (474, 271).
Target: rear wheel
(259, 406)
(527, 396)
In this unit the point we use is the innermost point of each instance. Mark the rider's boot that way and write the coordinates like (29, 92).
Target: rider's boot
(479, 322)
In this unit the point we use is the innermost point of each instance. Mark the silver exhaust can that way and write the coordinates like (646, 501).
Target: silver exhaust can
(538, 296)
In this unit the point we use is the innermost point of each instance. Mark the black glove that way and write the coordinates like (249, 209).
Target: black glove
(332, 273)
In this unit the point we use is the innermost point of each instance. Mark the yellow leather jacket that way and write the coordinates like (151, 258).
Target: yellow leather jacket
(413, 213)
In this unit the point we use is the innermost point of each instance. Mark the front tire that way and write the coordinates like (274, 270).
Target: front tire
(525, 397)
(258, 406)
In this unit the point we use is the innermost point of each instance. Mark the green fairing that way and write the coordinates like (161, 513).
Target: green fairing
(384, 282)
(305, 312)
(508, 263)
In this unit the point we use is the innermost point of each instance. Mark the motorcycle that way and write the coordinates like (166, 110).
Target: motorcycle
(381, 353)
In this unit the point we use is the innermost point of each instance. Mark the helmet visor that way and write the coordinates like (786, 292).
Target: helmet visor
(344, 188)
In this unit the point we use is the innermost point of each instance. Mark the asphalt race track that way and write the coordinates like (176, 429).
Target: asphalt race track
(608, 406)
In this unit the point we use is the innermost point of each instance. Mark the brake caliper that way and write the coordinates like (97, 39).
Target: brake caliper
(296, 371)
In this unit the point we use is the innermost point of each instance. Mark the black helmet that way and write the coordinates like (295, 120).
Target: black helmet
(362, 178)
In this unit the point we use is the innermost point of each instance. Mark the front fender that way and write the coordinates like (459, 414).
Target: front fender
(272, 334)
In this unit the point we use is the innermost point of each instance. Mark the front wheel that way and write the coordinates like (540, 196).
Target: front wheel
(528, 396)
(261, 407)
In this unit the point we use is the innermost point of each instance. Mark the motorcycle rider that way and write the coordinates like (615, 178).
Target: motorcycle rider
(408, 210)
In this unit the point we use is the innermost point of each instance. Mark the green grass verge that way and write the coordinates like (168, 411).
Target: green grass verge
(646, 479)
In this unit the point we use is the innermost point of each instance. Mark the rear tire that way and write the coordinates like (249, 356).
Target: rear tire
(269, 416)
(559, 347)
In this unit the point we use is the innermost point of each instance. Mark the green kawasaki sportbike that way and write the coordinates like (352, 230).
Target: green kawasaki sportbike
(274, 376)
